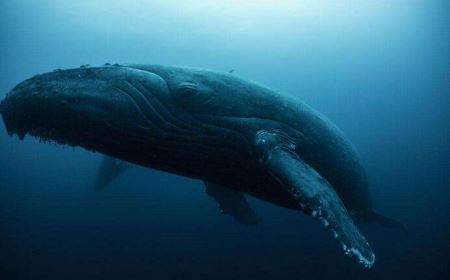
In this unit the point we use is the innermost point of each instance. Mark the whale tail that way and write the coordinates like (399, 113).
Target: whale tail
(374, 217)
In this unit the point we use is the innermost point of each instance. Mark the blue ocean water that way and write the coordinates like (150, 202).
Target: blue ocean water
(379, 69)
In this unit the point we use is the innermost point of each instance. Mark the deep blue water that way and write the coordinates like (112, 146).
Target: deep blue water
(379, 69)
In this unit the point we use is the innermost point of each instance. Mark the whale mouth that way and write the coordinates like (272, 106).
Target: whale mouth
(18, 111)
(23, 122)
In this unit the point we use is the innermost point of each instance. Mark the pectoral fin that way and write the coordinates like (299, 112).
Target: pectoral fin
(232, 203)
(108, 171)
(314, 194)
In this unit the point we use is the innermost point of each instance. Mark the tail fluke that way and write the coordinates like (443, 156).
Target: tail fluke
(388, 222)
(374, 217)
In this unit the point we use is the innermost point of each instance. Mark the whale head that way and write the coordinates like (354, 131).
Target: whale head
(90, 107)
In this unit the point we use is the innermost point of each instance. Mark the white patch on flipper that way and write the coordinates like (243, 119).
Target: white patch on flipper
(324, 222)
(348, 251)
(367, 263)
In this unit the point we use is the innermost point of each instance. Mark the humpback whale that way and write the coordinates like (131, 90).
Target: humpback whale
(239, 137)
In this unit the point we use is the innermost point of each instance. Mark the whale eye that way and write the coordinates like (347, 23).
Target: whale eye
(187, 89)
